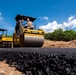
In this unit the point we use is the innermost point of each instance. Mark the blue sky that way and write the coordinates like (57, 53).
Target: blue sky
(50, 14)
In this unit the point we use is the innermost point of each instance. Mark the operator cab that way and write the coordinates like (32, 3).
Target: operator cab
(25, 21)
(3, 32)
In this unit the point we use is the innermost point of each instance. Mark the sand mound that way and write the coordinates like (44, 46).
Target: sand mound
(59, 44)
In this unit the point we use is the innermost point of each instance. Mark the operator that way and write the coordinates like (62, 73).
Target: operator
(18, 24)
(21, 21)
(29, 23)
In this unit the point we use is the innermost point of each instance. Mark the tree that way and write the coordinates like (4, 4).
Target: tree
(9, 35)
(69, 35)
(47, 35)
(58, 34)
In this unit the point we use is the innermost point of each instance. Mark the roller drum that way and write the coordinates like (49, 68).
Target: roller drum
(33, 41)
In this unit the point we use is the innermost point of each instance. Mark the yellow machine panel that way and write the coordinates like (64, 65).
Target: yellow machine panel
(5, 41)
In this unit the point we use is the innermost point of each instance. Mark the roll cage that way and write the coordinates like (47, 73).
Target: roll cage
(2, 32)
(20, 17)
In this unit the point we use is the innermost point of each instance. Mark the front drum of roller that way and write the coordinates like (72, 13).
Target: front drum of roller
(33, 41)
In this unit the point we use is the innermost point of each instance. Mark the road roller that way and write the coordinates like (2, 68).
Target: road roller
(5, 40)
(27, 36)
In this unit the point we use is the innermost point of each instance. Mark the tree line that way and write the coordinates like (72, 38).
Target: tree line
(9, 35)
(60, 35)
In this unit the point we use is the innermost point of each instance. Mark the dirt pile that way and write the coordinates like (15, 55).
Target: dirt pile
(6, 70)
(59, 44)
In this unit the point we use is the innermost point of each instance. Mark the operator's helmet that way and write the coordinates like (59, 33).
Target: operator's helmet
(28, 19)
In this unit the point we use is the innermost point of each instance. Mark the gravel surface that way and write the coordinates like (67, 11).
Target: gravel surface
(41, 61)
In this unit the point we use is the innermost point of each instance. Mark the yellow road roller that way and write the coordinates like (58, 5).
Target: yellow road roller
(27, 35)
(5, 41)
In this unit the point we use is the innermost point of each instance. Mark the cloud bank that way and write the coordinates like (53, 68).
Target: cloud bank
(51, 26)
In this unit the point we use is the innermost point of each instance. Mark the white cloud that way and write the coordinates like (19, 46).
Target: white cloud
(51, 26)
(70, 18)
(44, 18)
